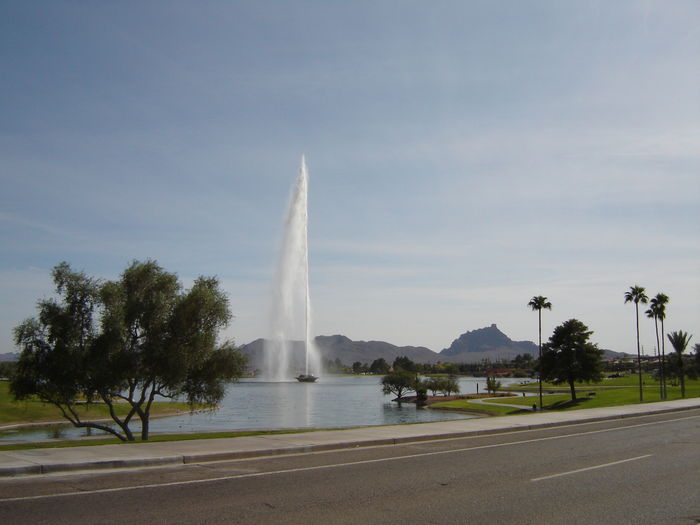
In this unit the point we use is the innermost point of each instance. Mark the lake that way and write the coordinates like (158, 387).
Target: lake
(252, 404)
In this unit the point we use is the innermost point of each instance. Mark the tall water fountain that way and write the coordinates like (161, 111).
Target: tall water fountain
(290, 349)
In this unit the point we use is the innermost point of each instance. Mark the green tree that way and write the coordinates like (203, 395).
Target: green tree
(538, 303)
(434, 384)
(451, 386)
(404, 363)
(421, 392)
(636, 295)
(7, 368)
(523, 361)
(492, 385)
(399, 382)
(379, 366)
(657, 311)
(679, 340)
(444, 385)
(126, 341)
(569, 357)
(357, 367)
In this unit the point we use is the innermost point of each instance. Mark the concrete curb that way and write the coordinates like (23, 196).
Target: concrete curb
(203, 457)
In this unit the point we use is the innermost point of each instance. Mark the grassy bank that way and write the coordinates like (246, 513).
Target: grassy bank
(464, 405)
(33, 411)
(610, 392)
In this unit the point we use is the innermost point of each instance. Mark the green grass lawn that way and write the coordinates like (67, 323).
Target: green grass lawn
(464, 405)
(609, 392)
(34, 411)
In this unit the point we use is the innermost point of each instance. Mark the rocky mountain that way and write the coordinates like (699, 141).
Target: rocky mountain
(485, 343)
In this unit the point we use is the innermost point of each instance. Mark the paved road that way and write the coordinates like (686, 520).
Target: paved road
(637, 470)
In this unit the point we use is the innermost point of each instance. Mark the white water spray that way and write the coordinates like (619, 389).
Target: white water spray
(290, 349)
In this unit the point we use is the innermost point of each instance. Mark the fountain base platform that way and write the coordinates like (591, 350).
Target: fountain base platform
(306, 378)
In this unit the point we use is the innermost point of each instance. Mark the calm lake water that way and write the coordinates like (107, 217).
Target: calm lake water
(332, 402)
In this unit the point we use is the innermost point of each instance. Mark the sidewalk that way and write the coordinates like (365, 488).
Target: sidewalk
(135, 455)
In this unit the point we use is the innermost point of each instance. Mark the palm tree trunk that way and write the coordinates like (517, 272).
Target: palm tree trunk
(540, 340)
(658, 350)
(663, 358)
(682, 374)
(639, 355)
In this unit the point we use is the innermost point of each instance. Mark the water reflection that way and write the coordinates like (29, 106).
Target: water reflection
(56, 432)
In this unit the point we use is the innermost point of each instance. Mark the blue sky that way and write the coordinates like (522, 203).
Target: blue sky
(463, 156)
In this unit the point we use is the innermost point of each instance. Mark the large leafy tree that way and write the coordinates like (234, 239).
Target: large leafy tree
(447, 385)
(400, 382)
(126, 342)
(657, 311)
(679, 340)
(538, 303)
(379, 366)
(569, 357)
(636, 294)
(404, 363)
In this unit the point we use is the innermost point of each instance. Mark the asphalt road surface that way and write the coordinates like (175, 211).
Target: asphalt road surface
(640, 470)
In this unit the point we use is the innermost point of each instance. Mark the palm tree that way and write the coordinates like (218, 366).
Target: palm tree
(657, 311)
(679, 340)
(538, 302)
(662, 298)
(652, 313)
(636, 295)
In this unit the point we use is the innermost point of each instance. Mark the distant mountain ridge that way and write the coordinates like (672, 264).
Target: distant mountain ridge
(343, 348)
(471, 347)
(487, 343)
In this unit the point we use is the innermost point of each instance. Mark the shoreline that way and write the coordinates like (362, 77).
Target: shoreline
(431, 400)
(39, 424)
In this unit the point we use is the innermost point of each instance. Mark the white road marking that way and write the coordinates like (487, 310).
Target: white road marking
(333, 465)
(604, 465)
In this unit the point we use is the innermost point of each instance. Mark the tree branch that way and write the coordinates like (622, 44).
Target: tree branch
(74, 418)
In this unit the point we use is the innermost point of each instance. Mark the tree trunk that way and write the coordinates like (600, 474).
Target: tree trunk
(663, 357)
(144, 428)
(658, 350)
(682, 373)
(639, 354)
(124, 425)
(540, 352)
(573, 390)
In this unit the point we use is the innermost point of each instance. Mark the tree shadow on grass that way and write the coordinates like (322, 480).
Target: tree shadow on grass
(563, 405)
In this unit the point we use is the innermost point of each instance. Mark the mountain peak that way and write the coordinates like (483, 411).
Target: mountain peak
(484, 340)
(333, 339)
